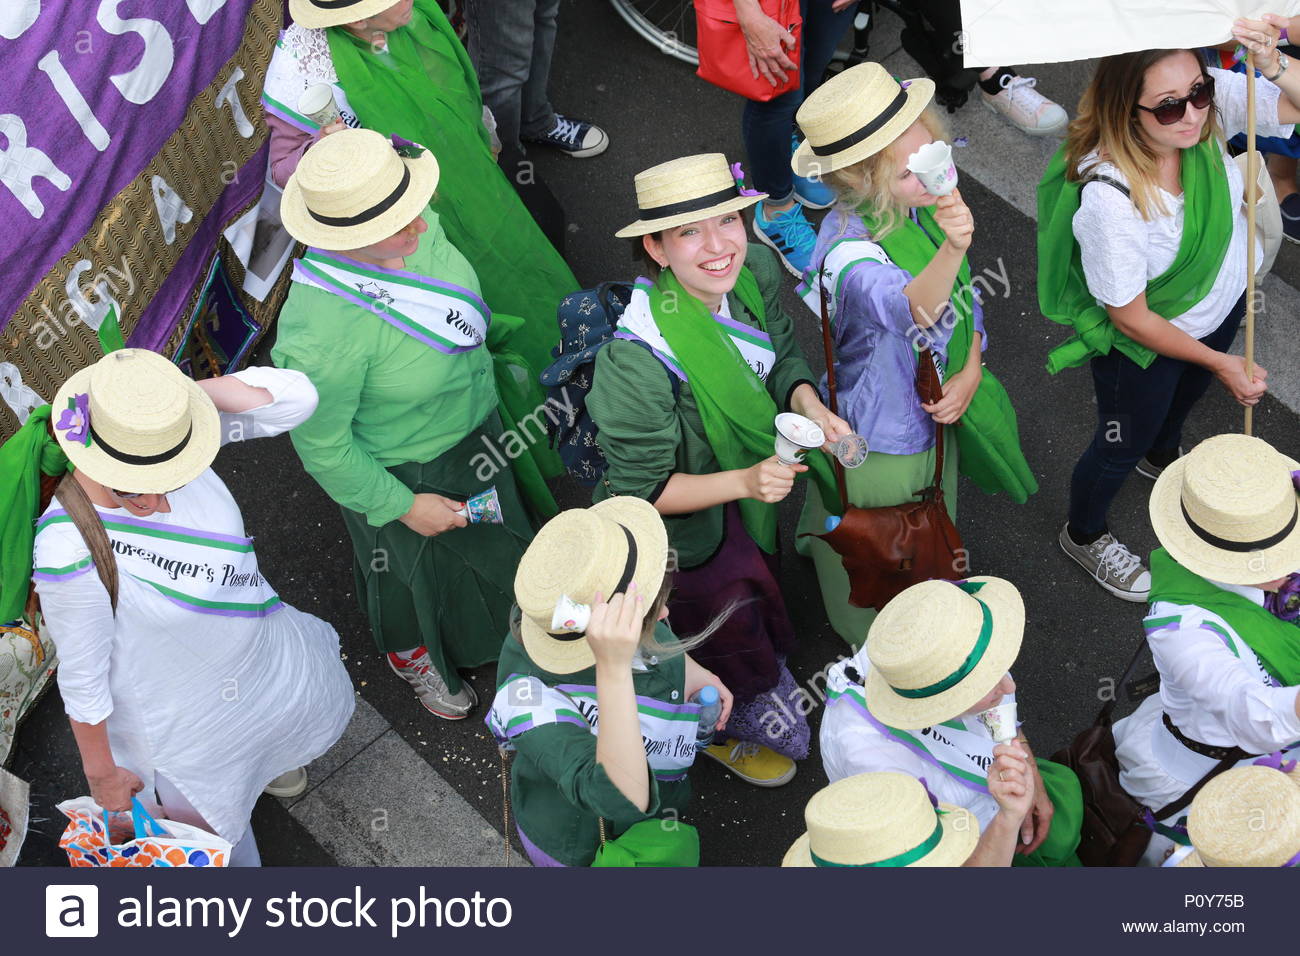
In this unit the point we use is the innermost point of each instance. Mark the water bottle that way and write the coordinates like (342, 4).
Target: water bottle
(710, 710)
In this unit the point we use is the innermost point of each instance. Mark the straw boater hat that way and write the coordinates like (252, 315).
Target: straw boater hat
(333, 13)
(1247, 816)
(354, 188)
(577, 554)
(1227, 511)
(882, 819)
(135, 422)
(856, 115)
(686, 190)
(938, 647)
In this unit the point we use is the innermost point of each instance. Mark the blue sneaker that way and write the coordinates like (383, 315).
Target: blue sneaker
(790, 234)
(1291, 218)
(810, 192)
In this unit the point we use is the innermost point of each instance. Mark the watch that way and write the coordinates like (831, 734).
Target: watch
(1282, 62)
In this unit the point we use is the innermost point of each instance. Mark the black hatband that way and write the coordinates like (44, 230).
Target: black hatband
(1240, 546)
(629, 569)
(697, 204)
(888, 113)
(367, 214)
(128, 459)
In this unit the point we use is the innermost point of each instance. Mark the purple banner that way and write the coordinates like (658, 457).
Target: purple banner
(92, 91)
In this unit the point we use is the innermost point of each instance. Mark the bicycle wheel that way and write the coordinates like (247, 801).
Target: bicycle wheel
(668, 24)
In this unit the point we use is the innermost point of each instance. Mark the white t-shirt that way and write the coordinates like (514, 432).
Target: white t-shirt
(1122, 252)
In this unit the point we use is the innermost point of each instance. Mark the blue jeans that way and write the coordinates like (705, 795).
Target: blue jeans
(1139, 410)
(766, 127)
(511, 43)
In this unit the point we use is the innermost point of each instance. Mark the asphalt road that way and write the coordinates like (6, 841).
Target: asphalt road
(654, 109)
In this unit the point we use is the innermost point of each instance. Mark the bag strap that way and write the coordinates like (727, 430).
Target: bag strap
(87, 521)
(1109, 181)
(1103, 717)
(927, 383)
(829, 348)
(1182, 802)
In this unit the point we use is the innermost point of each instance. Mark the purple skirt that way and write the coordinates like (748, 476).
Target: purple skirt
(748, 651)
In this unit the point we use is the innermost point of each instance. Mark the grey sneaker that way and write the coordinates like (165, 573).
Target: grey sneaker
(433, 691)
(1146, 469)
(1111, 565)
(288, 785)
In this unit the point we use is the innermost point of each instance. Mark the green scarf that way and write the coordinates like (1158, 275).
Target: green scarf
(988, 437)
(424, 89)
(735, 407)
(519, 395)
(1063, 291)
(1276, 642)
(27, 455)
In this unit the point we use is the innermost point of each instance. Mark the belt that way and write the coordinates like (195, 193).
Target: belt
(1205, 750)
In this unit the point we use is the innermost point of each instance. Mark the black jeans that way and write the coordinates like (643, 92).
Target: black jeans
(1139, 410)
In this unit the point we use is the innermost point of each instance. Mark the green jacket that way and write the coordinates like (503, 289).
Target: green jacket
(648, 436)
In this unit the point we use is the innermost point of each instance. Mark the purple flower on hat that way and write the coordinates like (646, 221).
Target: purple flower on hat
(934, 801)
(1275, 761)
(738, 174)
(405, 148)
(75, 420)
(1284, 603)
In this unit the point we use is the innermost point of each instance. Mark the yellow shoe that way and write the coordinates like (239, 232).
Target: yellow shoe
(759, 765)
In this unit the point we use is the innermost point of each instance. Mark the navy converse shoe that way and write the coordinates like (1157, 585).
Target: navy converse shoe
(577, 138)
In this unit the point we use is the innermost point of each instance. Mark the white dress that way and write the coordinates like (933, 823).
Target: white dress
(218, 704)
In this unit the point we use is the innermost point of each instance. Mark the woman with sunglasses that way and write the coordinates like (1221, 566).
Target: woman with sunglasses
(1142, 250)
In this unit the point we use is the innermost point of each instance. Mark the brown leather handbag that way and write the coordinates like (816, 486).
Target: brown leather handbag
(887, 550)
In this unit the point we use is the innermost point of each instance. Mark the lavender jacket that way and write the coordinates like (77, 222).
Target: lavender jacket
(875, 363)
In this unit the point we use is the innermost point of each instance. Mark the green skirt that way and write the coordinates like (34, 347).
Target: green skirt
(881, 481)
(1062, 841)
(451, 592)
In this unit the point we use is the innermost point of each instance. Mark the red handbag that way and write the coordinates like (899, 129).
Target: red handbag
(724, 57)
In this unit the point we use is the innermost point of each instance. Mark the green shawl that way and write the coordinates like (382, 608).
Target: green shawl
(735, 407)
(1276, 642)
(1063, 291)
(988, 435)
(425, 90)
(27, 455)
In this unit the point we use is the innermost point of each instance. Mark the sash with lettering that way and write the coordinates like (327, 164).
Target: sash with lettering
(198, 570)
(667, 730)
(442, 315)
(961, 748)
(637, 322)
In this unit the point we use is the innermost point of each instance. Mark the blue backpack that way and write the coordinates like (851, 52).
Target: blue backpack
(588, 319)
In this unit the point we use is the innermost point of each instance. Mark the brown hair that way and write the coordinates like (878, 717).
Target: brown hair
(866, 183)
(1108, 122)
(642, 255)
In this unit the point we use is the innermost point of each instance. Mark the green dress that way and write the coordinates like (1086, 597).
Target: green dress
(423, 88)
(396, 418)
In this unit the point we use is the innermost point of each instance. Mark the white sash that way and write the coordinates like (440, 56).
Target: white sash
(442, 315)
(961, 748)
(637, 321)
(286, 81)
(668, 731)
(840, 259)
(198, 570)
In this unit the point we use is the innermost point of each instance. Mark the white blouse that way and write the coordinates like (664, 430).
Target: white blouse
(1215, 690)
(1122, 252)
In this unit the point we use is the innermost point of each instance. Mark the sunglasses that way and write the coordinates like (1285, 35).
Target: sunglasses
(1173, 110)
(130, 495)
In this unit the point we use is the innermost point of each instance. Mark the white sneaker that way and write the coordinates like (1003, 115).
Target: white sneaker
(1111, 565)
(288, 785)
(1026, 108)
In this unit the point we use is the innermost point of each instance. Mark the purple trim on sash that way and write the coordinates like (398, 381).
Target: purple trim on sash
(741, 327)
(163, 526)
(669, 363)
(535, 853)
(589, 690)
(219, 612)
(529, 724)
(427, 280)
(919, 751)
(1294, 861)
(38, 576)
(364, 302)
(286, 117)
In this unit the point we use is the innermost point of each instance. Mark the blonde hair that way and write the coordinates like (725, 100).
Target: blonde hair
(865, 184)
(1108, 123)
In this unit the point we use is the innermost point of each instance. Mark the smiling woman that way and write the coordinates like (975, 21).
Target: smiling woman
(703, 454)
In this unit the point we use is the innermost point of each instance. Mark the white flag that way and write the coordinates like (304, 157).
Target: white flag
(1013, 32)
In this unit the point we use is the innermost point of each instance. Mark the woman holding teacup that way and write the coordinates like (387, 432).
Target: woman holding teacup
(1142, 250)
(685, 399)
(396, 66)
(387, 319)
(930, 695)
(891, 261)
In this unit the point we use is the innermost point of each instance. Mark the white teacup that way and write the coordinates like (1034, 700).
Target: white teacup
(1001, 722)
(317, 104)
(933, 165)
(796, 435)
(570, 617)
